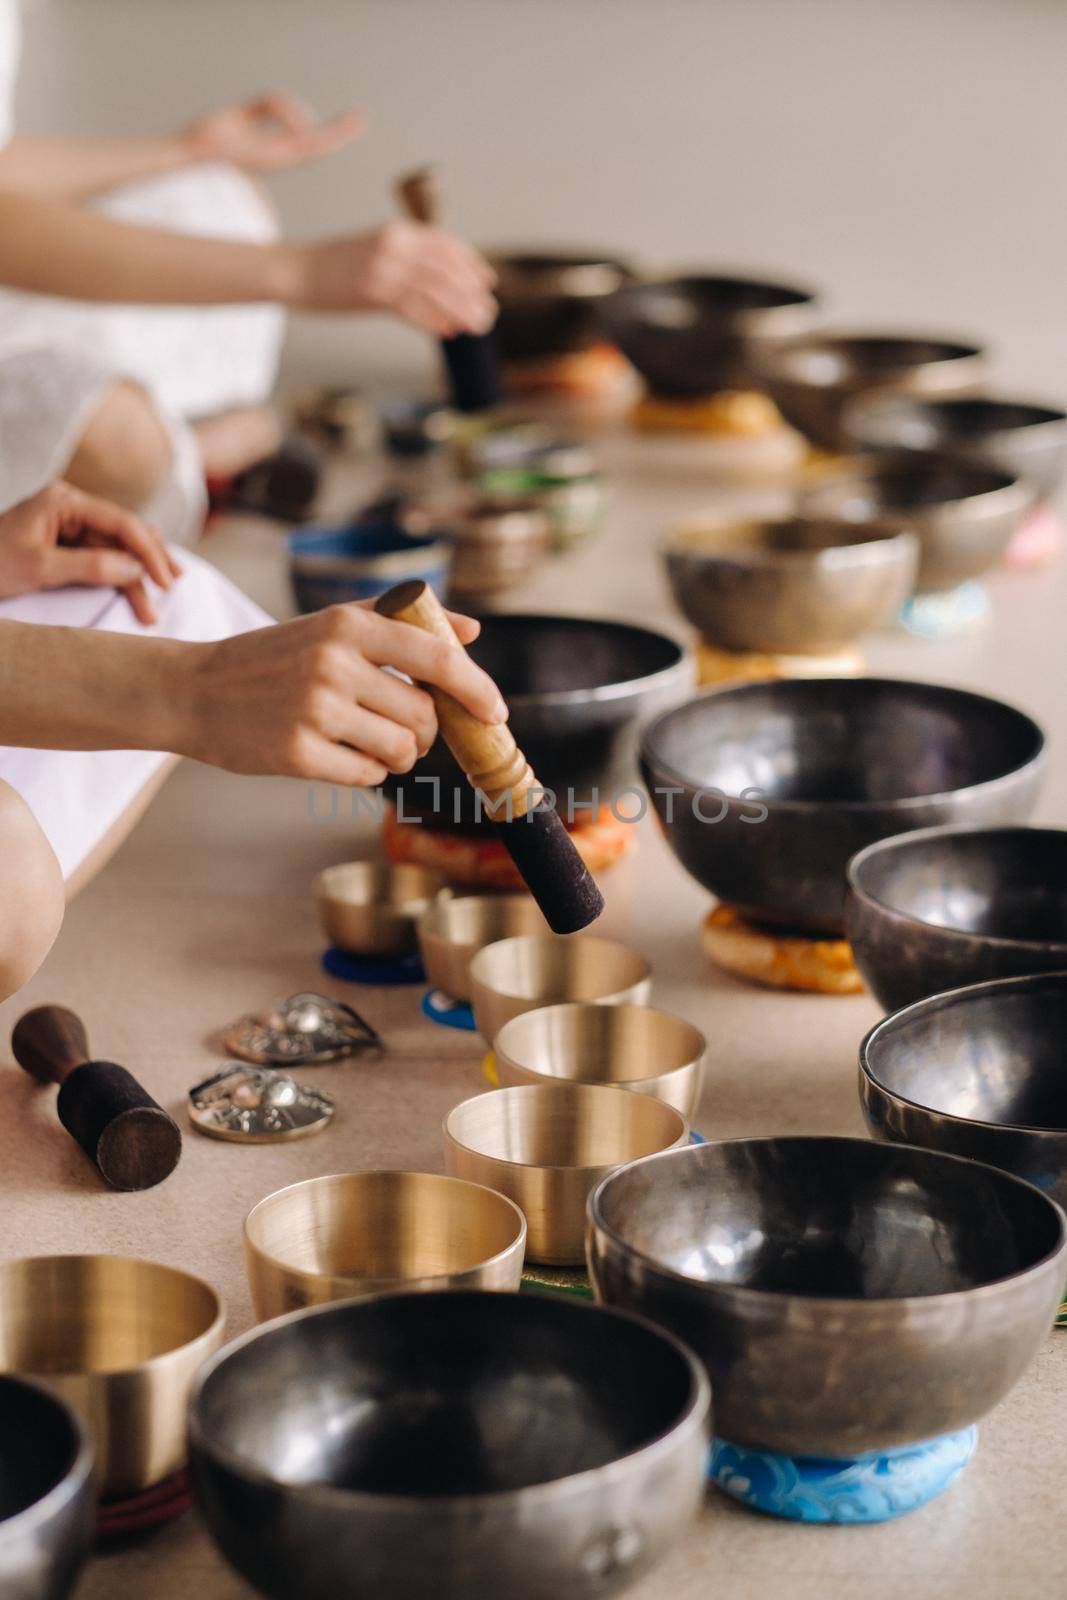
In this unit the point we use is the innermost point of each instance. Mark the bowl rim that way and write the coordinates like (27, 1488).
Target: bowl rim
(414, 907)
(695, 1414)
(859, 1303)
(852, 807)
(548, 937)
(76, 1474)
(667, 1073)
(517, 1244)
(968, 350)
(862, 406)
(940, 1002)
(994, 941)
(893, 544)
(601, 693)
(801, 297)
(564, 1086)
(1003, 491)
(207, 1338)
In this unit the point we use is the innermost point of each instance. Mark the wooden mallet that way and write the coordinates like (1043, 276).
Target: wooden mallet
(132, 1140)
(536, 839)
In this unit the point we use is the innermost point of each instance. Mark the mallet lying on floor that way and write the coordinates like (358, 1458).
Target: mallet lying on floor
(536, 839)
(133, 1141)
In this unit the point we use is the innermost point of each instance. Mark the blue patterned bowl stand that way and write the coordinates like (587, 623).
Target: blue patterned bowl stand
(359, 969)
(445, 1011)
(869, 1488)
(947, 613)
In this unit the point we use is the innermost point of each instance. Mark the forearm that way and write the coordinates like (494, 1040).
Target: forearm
(79, 689)
(55, 247)
(74, 169)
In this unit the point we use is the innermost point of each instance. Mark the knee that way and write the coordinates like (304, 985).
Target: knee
(125, 453)
(31, 905)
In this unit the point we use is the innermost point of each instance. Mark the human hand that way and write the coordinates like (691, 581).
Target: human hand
(415, 271)
(269, 133)
(62, 536)
(311, 698)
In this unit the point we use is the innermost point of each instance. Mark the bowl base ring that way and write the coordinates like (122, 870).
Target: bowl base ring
(869, 1488)
(137, 1514)
(946, 613)
(363, 969)
(446, 1012)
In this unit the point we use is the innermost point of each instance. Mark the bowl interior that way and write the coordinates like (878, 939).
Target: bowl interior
(384, 1226)
(941, 424)
(840, 741)
(401, 887)
(564, 1125)
(990, 1054)
(533, 656)
(470, 922)
(680, 304)
(97, 1314)
(905, 484)
(830, 362)
(999, 883)
(548, 969)
(829, 1217)
(600, 1044)
(382, 1397)
(792, 539)
(39, 1444)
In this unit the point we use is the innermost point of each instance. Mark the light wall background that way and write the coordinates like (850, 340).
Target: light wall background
(907, 155)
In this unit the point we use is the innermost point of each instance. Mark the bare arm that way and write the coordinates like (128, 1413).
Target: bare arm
(74, 169)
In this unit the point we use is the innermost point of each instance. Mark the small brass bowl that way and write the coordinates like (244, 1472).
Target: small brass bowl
(632, 1047)
(121, 1340)
(453, 928)
(362, 1233)
(517, 975)
(547, 1145)
(370, 908)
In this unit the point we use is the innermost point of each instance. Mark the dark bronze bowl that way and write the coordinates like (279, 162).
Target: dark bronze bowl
(846, 1296)
(951, 906)
(577, 688)
(47, 1494)
(524, 1447)
(692, 336)
(802, 773)
(977, 1072)
(1023, 440)
(812, 380)
(548, 299)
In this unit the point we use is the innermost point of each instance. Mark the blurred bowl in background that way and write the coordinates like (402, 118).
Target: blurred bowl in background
(548, 299)
(361, 560)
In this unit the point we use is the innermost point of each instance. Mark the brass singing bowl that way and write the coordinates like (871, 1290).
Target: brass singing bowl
(631, 1047)
(120, 1339)
(517, 975)
(362, 1233)
(547, 1145)
(453, 928)
(370, 908)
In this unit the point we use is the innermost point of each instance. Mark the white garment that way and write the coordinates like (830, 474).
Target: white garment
(58, 358)
(78, 795)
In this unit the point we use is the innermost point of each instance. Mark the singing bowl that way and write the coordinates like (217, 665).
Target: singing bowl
(845, 1296)
(945, 907)
(359, 560)
(576, 688)
(977, 1072)
(548, 299)
(519, 974)
(547, 1145)
(812, 380)
(799, 586)
(963, 513)
(453, 928)
(766, 790)
(47, 1496)
(526, 1447)
(1015, 437)
(630, 1046)
(120, 1340)
(362, 1233)
(370, 908)
(694, 335)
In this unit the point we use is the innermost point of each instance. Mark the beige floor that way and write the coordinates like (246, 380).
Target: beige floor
(206, 913)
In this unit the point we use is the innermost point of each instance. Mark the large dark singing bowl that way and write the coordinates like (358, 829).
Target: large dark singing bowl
(952, 906)
(524, 1447)
(695, 335)
(846, 1296)
(978, 1072)
(813, 380)
(766, 790)
(963, 513)
(47, 1497)
(1018, 438)
(577, 688)
(798, 586)
(548, 299)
